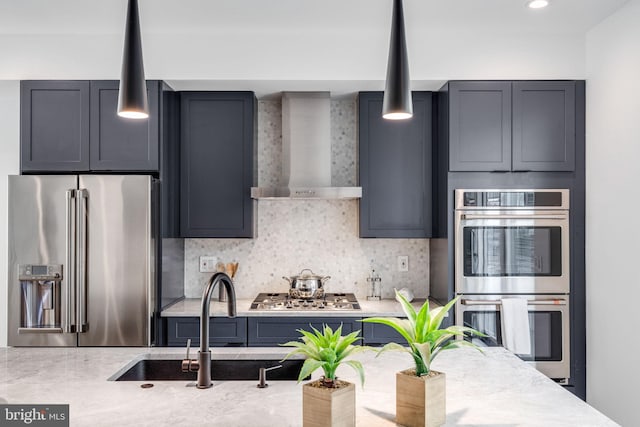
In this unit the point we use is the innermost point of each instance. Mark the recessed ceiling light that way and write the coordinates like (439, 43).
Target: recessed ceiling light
(537, 4)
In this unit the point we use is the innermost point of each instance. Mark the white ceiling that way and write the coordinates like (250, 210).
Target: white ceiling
(266, 16)
(273, 45)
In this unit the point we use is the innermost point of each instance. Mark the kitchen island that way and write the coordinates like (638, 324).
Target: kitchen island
(495, 389)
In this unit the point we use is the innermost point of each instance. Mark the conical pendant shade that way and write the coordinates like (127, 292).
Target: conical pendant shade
(132, 97)
(397, 103)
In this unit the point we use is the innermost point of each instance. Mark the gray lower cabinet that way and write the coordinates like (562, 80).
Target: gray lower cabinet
(73, 126)
(271, 331)
(503, 126)
(223, 331)
(377, 334)
(395, 169)
(217, 164)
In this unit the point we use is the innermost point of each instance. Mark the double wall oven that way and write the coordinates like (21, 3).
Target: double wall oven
(515, 243)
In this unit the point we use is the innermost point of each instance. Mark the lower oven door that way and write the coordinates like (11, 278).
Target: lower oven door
(548, 324)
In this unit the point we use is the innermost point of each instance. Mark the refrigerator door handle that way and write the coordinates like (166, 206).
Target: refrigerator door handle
(81, 268)
(69, 276)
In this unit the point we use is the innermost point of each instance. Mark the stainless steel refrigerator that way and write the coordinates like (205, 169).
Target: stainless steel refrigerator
(82, 254)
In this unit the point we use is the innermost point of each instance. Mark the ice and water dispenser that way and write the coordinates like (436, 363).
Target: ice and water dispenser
(40, 298)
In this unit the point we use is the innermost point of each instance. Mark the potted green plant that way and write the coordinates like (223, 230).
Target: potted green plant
(327, 401)
(420, 392)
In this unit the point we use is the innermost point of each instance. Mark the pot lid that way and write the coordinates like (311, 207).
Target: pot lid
(302, 275)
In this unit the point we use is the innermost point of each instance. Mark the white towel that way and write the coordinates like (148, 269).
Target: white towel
(516, 335)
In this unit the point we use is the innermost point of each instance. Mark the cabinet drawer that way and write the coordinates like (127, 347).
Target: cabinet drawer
(271, 331)
(377, 334)
(223, 332)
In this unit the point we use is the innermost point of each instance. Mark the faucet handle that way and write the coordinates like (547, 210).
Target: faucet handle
(187, 363)
(262, 376)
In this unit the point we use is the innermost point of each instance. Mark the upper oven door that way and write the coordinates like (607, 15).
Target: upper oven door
(512, 252)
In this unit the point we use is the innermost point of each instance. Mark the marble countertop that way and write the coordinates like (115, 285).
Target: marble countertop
(495, 389)
(190, 307)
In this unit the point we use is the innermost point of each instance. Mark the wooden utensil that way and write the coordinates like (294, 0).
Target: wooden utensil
(229, 269)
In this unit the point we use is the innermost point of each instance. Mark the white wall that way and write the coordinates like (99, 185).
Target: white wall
(613, 201)
(284, 56)
(9, 164)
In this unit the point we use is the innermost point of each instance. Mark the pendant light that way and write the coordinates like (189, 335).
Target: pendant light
(132, 96)
(397, 103)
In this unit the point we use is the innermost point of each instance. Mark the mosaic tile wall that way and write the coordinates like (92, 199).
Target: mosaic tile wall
(318, 234)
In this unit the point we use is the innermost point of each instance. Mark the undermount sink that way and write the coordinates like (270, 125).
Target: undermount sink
(221, 370)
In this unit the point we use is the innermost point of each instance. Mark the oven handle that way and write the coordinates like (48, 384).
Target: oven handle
(499, 216)
(529, 302)
(474, 253)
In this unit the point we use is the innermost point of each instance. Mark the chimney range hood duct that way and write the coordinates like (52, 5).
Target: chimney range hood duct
(306, 151)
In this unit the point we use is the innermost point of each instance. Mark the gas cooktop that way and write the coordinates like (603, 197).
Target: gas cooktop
(284, 302)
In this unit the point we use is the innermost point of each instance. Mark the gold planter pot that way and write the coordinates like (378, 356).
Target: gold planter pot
(328, 407)
(420, 401)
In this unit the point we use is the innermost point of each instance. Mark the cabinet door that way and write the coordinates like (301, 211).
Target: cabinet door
(271, 331)
(54, 121)
(217, 134)
(480, 126)
(377, 334)
(119, 144)
(395, 169)
(223, 332)
(544, 126)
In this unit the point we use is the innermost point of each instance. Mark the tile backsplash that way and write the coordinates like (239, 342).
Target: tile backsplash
(318, 234)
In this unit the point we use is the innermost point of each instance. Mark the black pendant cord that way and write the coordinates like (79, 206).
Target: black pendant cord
(132, 96)
(397, 103)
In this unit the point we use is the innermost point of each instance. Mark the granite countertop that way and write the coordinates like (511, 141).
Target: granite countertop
(497, 389)
(190, 307)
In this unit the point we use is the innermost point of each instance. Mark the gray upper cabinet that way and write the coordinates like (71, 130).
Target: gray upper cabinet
(120, 144)
(72, 126)
(480, 126)
(217, 162)
(54, 122)
(395, 169)
(544, 126)
(520, 126)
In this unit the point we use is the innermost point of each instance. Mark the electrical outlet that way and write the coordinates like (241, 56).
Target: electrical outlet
(403, 263)
(208, 264)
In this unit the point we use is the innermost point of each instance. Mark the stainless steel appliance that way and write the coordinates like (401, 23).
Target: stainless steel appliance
(81, 260)
(285, 302)
(548, 321)
(515, 243)
(512, 241)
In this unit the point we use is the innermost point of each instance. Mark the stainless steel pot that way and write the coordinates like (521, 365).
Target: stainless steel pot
(306, 285)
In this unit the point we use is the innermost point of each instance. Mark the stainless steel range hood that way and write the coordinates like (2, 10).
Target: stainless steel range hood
(306, 151)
